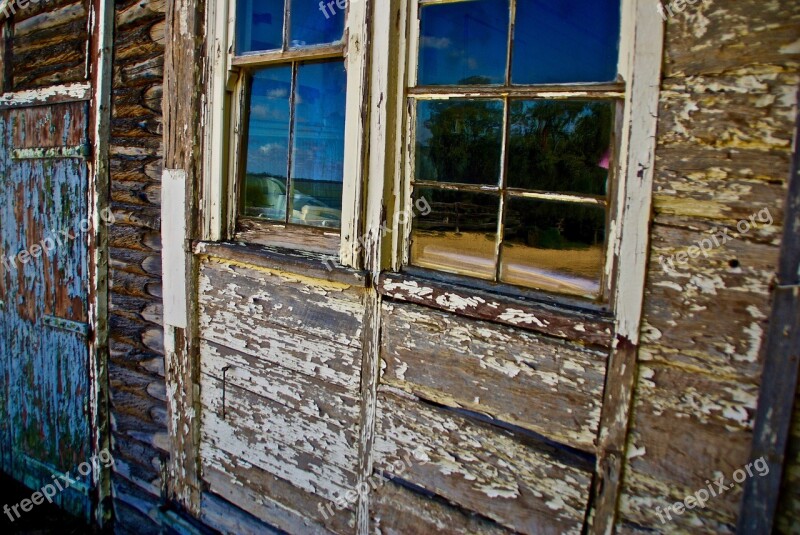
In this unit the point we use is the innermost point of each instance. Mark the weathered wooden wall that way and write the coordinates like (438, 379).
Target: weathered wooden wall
(49, 44)
(136, 368)
(724, 148)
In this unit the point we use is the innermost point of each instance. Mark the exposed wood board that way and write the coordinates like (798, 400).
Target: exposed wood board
(274, 501)
(222, 515)
(590, 329)
(315, 240)
(326, 310)
(779, 378)
(278, 259)
(239, 436)
(525, 487)
(398, 511)
(183, 122)
(552, 388)
(173, 240)
(50, 95)
(306, 395)
(641, 56)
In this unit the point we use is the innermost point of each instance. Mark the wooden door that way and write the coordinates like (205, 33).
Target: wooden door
(44, 343)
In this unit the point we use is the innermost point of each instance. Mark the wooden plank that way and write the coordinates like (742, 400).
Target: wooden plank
(527, 487)
(688, 430)
(397, 510)
(50, 44)
(272, 500)
(304, 263)
(779, 378)
(311, 454)
(307, 395)
(590, 329)
(322, 309)
(41, 97)
(317, 240)
(548, 386)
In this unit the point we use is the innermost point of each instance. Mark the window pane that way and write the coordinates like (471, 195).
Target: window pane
(554, 246)
(318, 150)
(566, 41)
(259, 25)
(463, 42)
(560, 146)
(264, 192)
(313, 23)
(459, 141)
(459, 233)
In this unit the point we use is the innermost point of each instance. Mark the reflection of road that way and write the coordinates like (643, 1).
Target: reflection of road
(575, 272)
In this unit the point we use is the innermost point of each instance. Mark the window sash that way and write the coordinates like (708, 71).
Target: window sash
(224, 140)
(615, 91)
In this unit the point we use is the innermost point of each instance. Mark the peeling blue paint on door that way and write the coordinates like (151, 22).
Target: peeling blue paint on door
(44, 341)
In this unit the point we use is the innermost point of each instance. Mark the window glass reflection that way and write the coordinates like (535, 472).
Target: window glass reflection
(459, 141)
(318, 148)
(566, 41)
(312, 25)
(463, 42)
(259, 25)
(264, 192)
(561, 146)
(554, 246)
(459, 233)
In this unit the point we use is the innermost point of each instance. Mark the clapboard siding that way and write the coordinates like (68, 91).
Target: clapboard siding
(727, 110)
(523, 485)
(50, 44)
(396, 510)
(288, 349)
(546, 385)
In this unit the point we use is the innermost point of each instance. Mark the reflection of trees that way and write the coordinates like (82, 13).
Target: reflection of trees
(557, 146)
(464, 143)
(553, 146)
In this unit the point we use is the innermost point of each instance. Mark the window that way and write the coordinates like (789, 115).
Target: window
(513, 107)
(288, 117)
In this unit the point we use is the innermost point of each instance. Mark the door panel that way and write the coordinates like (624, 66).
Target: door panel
(45, 342)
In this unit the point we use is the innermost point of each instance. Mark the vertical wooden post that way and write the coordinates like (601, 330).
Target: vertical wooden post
(183, 83)
(101, 38)
(640, 64)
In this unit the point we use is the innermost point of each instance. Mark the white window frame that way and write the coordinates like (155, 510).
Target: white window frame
(629, 200)
(223, 113)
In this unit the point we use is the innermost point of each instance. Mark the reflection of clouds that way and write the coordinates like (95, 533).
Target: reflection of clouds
(279, 92)
(472, 64)
(272, 150)
(265, 113)
(438, 43)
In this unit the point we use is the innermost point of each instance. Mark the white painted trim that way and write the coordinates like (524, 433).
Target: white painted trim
(214, 157)
(46, 95)
(642, 50)
(173, 247)
(357, 33)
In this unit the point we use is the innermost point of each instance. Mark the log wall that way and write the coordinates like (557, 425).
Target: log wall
(136, 368)
(726, 120)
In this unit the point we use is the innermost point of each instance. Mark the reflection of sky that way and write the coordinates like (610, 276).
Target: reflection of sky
(566, 41)
(319, 122)
(463, 40)
(259, 25)
(555, 42)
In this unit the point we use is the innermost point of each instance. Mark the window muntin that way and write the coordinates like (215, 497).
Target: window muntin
(534, 160)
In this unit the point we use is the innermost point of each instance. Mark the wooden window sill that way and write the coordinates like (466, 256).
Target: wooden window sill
(566, 319)
(313, 265)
